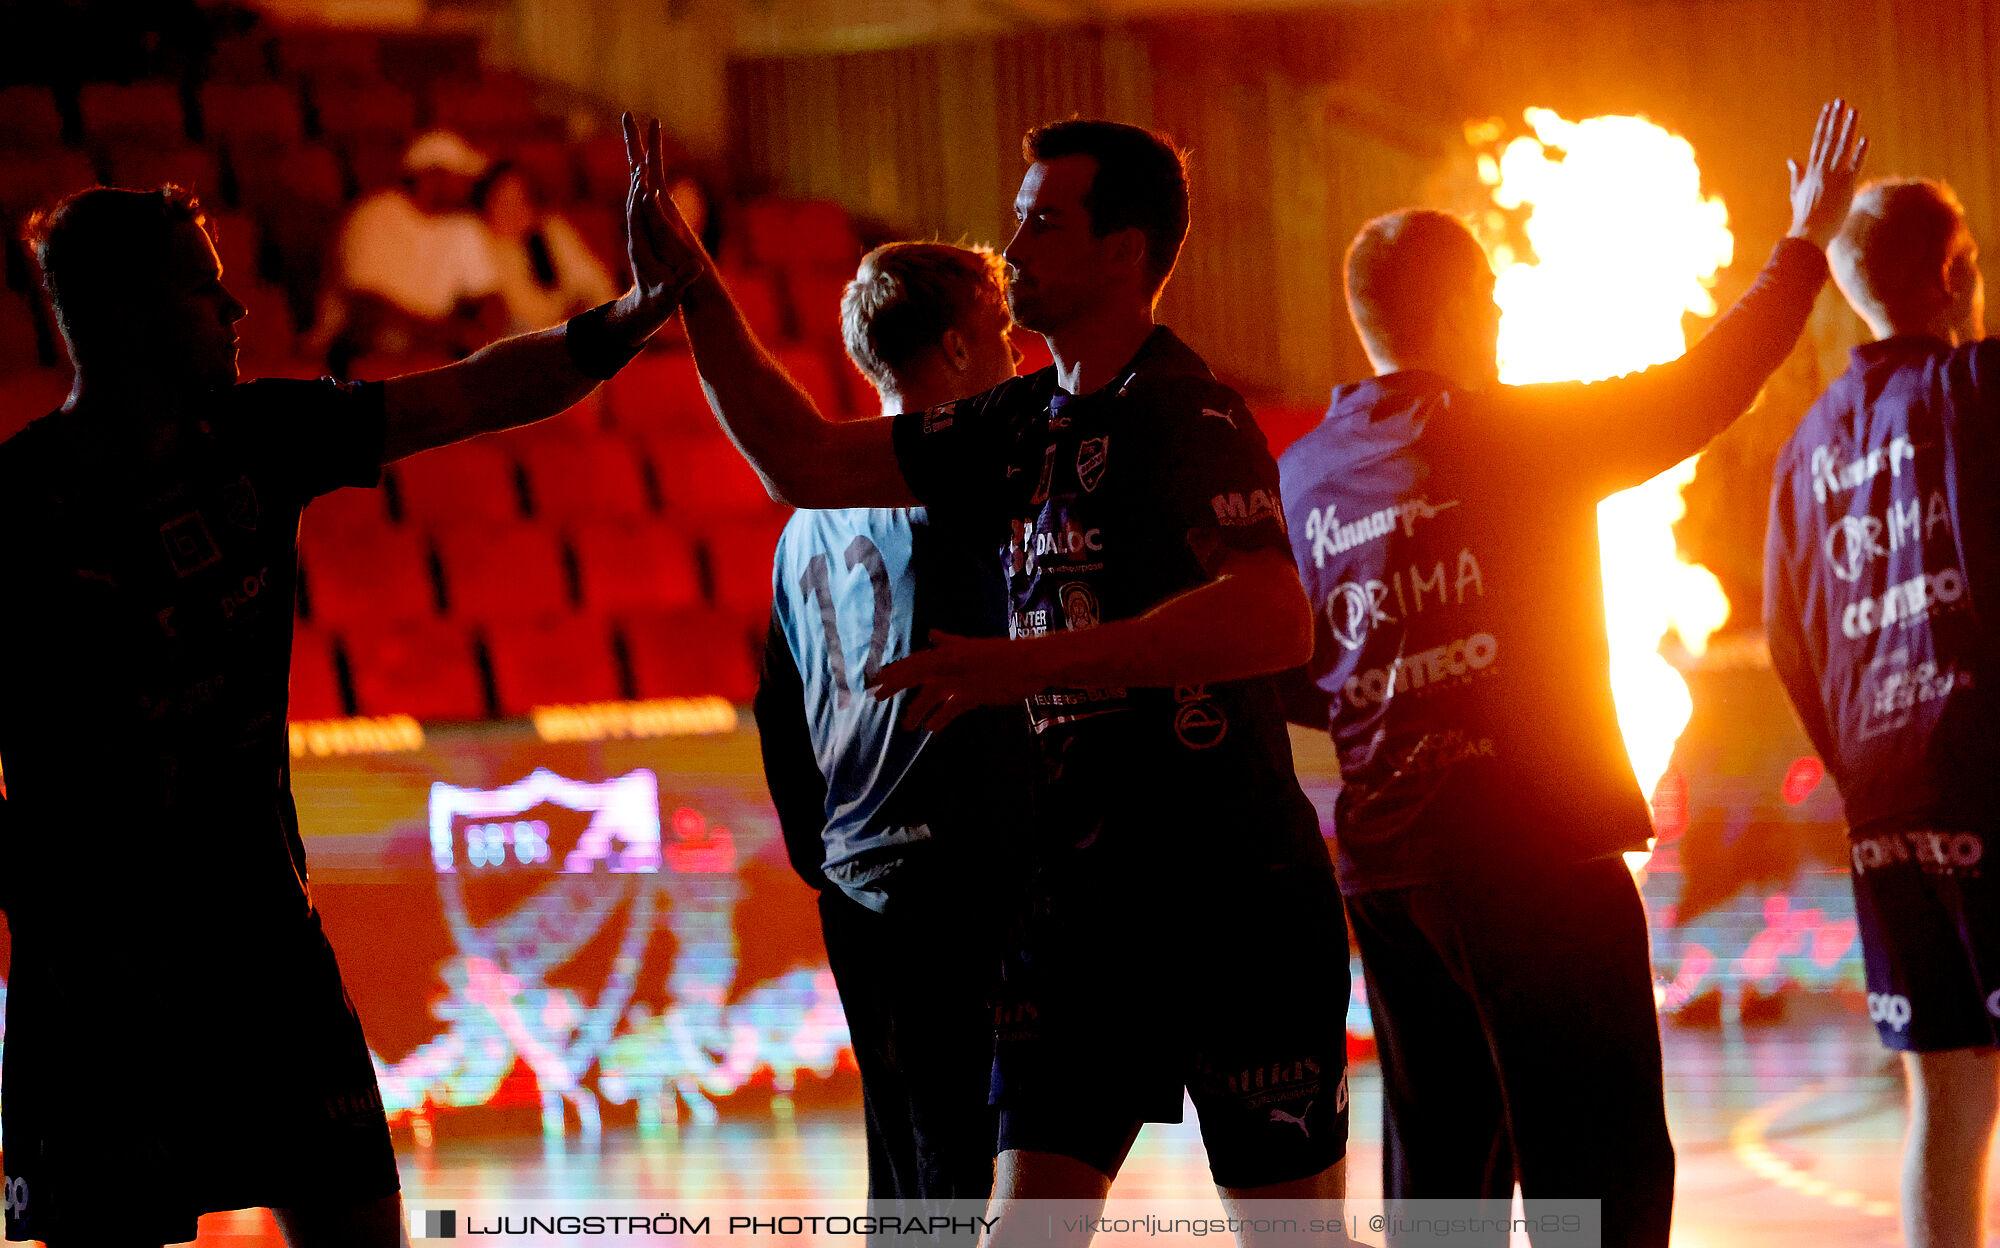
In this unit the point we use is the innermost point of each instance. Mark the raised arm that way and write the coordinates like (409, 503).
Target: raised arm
(519, 380)
(803, 458)
(1646, 422)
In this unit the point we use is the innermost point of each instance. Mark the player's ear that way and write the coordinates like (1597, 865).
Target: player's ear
(956, 351)
(1128, 249)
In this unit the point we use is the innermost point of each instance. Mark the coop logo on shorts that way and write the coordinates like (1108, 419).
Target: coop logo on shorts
(17, 1197)
(433, 1224)
(1893, 1010)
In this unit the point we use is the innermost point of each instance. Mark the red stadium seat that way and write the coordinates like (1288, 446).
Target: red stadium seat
(592, 478)
(33, 181)
(277, 182)
(236, 243)
(500, 103)
(1034, 351)
(603, 231)
(29, 118)
(29, 395)
(757, 296)
(144, 166)
(266, 331)
(787, 233)
(315, 686)
(331, 54)
(351, 516)
(376, 110)
(423, 668)
(660, 393)
(739, 562)
(146, 112)
(470, 484)
(503, 573)
(245, 59)
(268, 111)
(565, 658)
(704, 477)
(550, 165)
(815, 296)
(365, 578)
(375, 161)
(20, 336)
(810, 366)
(690, 654)
(601, 161)
(635, 569)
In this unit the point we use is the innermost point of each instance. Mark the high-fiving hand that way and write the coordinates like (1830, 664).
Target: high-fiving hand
(666, 256)
(1824, 190)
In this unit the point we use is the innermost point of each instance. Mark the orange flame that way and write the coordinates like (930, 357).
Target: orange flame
(1624, 244)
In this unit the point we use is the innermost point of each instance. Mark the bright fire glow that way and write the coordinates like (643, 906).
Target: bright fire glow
(1624, 244)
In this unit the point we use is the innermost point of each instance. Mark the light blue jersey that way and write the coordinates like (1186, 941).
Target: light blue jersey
(845, 599)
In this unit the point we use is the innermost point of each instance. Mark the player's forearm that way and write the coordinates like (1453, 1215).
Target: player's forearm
(515, 381)
(1231, 628)
(772, 420)
(1689, 401)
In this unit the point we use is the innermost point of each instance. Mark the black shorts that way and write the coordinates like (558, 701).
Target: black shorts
(1118, 1001)
(135, 1105)
(1928, 905)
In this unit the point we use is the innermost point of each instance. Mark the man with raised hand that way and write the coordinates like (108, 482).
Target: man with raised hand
(1446, 530)
(1184, 931)
(178, 1040)
(910, 860)
(1880, 570)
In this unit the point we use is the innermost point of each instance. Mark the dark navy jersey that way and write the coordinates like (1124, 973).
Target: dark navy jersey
(1098, 508)
(1447, 539)
(145, 652)
(853, 591)
(1880, 582)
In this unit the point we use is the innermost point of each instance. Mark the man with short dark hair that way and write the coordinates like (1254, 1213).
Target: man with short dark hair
(1446, 529)
(178, 1041)
(910, 861)
(1879, 556)
(1185, 929)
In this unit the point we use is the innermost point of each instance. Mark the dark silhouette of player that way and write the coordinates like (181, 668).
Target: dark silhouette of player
(1879, 569)
(178, 1041)
(1184, 933)
(1445, 527)
(911, 862)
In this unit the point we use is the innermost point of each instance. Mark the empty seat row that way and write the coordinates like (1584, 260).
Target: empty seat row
(439, 670)
(524, 570)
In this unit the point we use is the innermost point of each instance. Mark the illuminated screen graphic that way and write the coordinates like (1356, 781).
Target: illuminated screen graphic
(563, 937)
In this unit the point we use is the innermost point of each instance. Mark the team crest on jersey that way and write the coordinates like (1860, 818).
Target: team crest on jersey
(1079, 605)
(1092, 455)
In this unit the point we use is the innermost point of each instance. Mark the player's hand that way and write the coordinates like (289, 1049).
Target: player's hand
(957, 674)
(1824, 189)
(666, 256)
